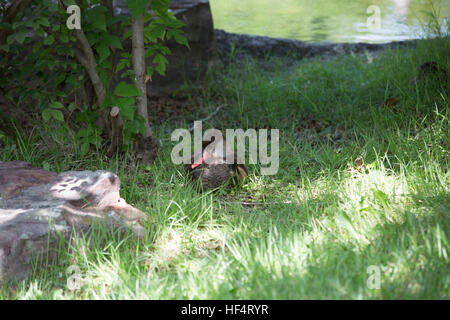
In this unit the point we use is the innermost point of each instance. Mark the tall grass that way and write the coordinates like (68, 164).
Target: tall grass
(309, 232)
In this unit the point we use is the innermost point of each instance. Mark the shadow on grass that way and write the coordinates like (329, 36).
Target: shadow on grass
(411, 255)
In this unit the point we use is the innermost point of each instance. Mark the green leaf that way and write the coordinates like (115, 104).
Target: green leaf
(164, 50)
(83, 132)
(92, 37)
(173, 22)
(116, 19)
(137, 7)
(150, 51)
(150, 71)
(5, 48)
(64, 38)
(127, 74)
(44, 21)
(57, 105)
(60, 78)
(46, 114)
(178, 36)
(161, 61)
(135, 126)
(40, 32)
(84, 148)
(139, 125)
(159, 58)
(11, 38)
(343, 220)
(157, 31)
(71, 79)
(106, 64)
(126, 90)
(127, 35)
(96, 16)
(147, 17)
(124, 102)
(103, 52)
(181, 40)
(161, 69)
(5, 25)
(113, 41)
(45, 165)
(108, 102)
(381, 197)
(126, 111)
(49, 40)
(57, 115)
(69, 2)
(120, 66)
(80, 117)
(52, 7)
(160, 6)
(20, 36)
(103, 74)
(17, 24)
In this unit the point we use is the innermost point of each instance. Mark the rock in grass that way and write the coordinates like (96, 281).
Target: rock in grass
(40, 208)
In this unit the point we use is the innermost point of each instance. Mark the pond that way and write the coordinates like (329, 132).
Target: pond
(371, 21)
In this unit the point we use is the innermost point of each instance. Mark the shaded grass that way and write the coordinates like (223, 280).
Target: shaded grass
(309, 232)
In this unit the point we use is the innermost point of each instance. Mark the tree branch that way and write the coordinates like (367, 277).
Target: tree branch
(89, 63)
(208, 117)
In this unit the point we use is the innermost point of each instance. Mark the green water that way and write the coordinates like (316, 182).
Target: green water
(327, 20)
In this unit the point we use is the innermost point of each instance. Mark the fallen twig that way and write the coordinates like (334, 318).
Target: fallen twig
(191, 128)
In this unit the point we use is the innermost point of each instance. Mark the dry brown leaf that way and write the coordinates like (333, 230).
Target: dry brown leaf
(391, 102)
(359, 162)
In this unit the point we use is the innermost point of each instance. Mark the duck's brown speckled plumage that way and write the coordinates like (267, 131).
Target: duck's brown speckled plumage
(216, 172)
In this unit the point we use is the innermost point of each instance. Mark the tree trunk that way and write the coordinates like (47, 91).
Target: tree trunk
(140, 68)
(87, 60)
(146, 144)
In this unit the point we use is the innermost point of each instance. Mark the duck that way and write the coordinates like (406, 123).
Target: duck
(211, 170)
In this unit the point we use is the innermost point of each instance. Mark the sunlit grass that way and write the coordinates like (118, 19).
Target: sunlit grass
(309, 232)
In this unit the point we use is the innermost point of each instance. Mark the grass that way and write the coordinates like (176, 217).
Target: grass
(309, 232)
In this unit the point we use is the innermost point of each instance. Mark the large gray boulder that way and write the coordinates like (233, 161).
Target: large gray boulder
(39, 208)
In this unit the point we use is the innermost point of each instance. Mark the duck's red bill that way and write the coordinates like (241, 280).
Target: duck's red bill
(204, 157)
